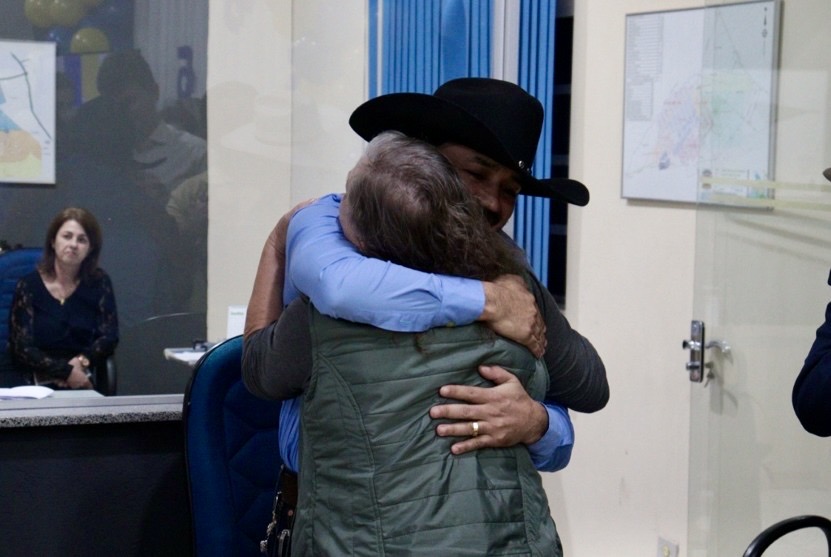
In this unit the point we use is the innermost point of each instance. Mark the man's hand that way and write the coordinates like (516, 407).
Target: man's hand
(505, 414)
(510, 311)
(266, 302)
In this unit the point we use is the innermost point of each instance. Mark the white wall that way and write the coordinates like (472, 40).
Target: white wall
(630, 283)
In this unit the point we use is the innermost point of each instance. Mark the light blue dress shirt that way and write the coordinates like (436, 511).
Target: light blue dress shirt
(327, 268)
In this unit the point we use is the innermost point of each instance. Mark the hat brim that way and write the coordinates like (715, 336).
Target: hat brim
(439, 121)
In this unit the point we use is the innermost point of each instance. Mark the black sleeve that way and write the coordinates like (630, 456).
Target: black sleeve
(106, 330)
(576, 372)
(812, 388)
(277, 360)
(22, 335)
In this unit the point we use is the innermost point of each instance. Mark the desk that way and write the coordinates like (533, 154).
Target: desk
(94, 475)
(91, 408)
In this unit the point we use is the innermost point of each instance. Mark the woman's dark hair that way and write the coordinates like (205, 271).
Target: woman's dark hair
(89, 266)
(409, 206)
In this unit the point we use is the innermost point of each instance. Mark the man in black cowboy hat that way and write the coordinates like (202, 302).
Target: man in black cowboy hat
(489, 130)
(812, 389)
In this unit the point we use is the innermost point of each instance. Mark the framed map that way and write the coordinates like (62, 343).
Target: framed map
(27, 112)
(699, 102)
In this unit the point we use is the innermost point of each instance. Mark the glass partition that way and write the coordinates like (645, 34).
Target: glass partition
(130, 146)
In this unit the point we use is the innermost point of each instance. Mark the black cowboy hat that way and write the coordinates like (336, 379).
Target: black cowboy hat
(495, 118)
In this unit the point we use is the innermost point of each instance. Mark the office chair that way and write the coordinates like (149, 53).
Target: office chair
(13, 265)
(773, 533)
(231, 453)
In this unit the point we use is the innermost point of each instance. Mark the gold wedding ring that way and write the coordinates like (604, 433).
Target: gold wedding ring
(475, 427)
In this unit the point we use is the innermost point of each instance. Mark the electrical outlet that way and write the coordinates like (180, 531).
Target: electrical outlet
(666, 548)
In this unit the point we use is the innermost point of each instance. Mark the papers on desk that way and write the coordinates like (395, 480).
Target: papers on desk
(187, 356)
(25, 391)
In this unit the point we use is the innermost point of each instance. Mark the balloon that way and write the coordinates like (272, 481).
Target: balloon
(89, 39)
(37, 11)
(66, 12)
(62, 36)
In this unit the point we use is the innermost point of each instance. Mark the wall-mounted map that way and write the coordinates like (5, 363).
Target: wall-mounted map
(699, 101)
(27, 112)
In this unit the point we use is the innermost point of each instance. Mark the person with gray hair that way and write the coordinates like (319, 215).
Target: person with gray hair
(368, 443)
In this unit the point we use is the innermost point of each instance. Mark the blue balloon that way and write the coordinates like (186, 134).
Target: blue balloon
(62, 36)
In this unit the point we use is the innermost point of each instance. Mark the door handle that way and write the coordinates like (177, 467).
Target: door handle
(698, 368)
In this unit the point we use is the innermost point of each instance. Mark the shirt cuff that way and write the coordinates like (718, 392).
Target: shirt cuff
(553, 451)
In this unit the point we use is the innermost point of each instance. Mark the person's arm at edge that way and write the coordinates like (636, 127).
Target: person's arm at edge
(277, 359)
(266, 301)
(812, 388)
(276, 365)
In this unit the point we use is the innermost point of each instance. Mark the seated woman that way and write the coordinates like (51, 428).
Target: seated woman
(63, 323)
(374, 477)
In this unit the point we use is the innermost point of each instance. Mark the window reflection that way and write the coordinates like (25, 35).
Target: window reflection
(131, 148)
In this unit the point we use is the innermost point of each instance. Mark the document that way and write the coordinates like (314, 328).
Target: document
(25, 391)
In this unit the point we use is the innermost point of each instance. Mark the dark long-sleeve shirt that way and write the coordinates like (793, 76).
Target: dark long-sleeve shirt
(44, 334)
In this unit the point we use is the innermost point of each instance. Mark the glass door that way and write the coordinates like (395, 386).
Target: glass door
(761, 290)
(762, 260)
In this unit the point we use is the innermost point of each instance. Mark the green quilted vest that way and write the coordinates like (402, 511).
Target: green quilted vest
(375, 479)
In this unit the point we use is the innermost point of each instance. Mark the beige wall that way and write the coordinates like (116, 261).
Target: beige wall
(630, 280)
(264, 60)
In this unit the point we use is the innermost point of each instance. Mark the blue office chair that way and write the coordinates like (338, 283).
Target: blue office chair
(232, 455)
(13, 265)
(773, 533)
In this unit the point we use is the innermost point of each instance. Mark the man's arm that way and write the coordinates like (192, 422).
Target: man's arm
(277, 359)
(344, 284)
(577, 376)
(266, 301)
(505, 413)
(577, 380)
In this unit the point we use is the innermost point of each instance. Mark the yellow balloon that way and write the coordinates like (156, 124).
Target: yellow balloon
(67, 12)
(37, 12)
(88, 40)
